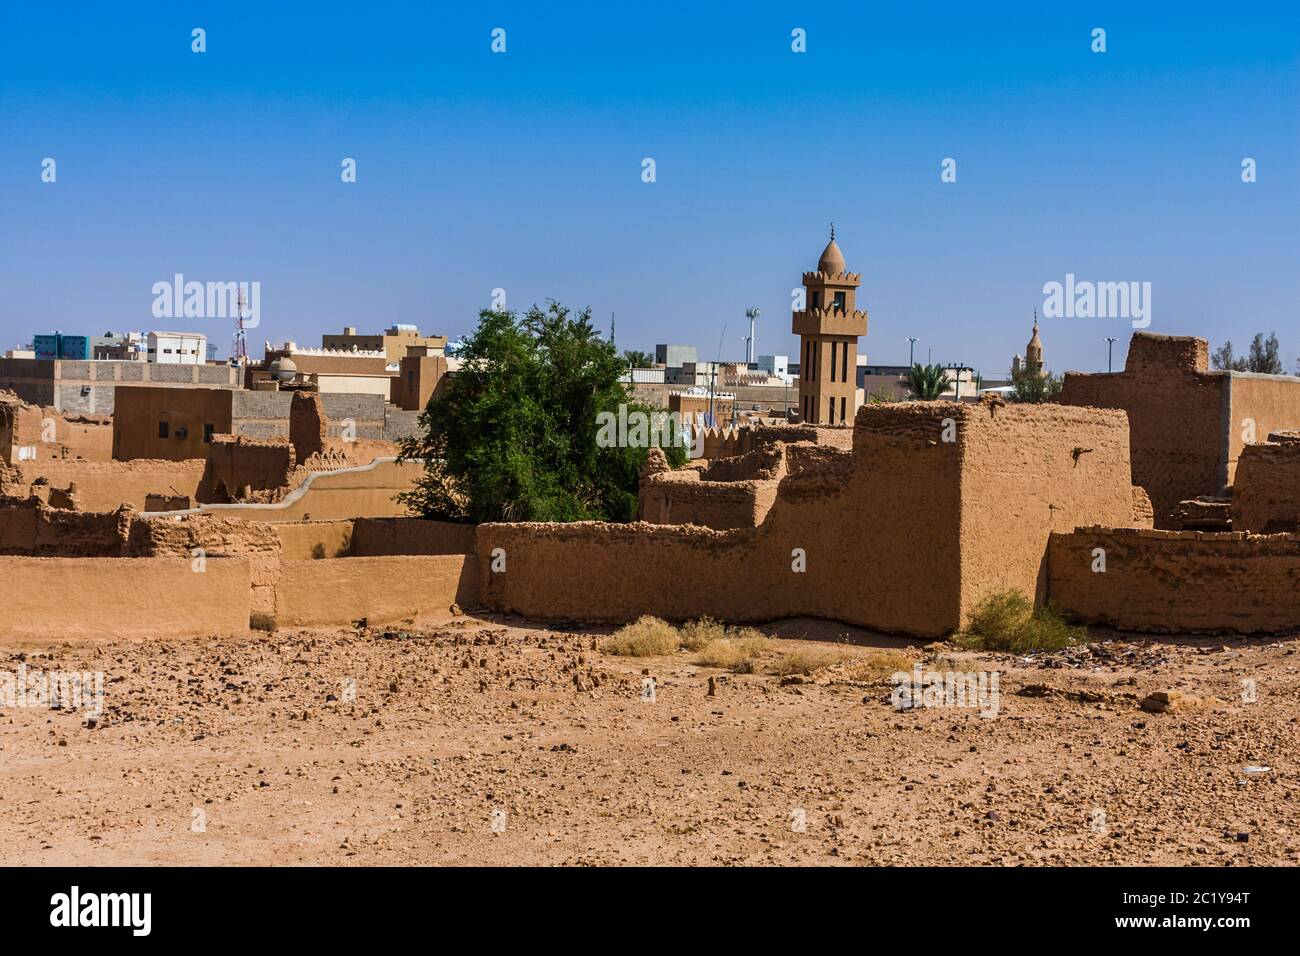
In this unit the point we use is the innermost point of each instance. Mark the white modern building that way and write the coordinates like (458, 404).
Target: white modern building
(178, 348)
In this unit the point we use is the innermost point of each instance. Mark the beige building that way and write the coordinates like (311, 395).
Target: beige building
(828, 328)
(393, 342)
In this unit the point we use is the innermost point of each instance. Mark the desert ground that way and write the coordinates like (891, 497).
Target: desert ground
(498, 741)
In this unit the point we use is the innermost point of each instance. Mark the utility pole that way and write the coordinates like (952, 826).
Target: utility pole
(1110, 350)
(751, 353)
(911, 351)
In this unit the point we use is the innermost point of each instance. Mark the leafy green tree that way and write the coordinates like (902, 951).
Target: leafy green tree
(1035, 387)
(637, 359)
(513, 436)
(926, 382)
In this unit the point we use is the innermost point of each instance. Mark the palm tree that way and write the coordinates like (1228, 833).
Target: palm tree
(926, 382)
(637, 358)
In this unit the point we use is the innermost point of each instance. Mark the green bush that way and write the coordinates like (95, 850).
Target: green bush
(1008, 621)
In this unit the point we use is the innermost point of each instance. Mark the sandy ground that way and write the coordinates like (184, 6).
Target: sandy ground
(476, 741)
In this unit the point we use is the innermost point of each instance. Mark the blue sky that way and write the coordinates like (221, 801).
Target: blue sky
(522, 170)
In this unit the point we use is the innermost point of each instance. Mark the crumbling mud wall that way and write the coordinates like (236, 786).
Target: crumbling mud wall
(379, 589)
(30, 528)
(1266, 492)
(40, 433)
(240, 467)
(725, 493)
(1177, 412)
(1187, 424)
(107, 485)
(1177, 581)
(109, 598)
(877, 538)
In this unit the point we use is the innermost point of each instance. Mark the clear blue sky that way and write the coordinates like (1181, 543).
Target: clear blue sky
(523, 170)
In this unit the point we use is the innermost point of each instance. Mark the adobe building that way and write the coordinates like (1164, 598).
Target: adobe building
(828, 328)
(329, 370)
(178, 424)
(422, 373)
(1187, 425)
(393, 342)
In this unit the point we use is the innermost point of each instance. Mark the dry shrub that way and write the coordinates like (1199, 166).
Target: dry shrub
(646, 637)
(736, 654)
(805, 662)
(1007, 621)
(877, 665)
(699, 634)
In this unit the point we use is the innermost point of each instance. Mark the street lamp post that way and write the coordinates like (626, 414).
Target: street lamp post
(911, 351)
(1110, 351)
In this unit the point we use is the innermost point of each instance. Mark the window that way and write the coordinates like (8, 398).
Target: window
(208, 429)
(830, 415)
(844, 366)
(162, 429)
(839, 301)
(842, 410)
(817, 300)
(182, 432)
(834, 345)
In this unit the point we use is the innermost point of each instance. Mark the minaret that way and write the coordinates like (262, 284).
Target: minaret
(1034, 351)
(828, 330)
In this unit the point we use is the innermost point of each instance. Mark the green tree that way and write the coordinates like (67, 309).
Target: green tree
(926, 382)
(1264, 355)
(513, 437)
(637, 359)
(1224, 359)
(1034, 387)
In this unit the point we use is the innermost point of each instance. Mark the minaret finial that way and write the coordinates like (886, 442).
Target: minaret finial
(832, 232)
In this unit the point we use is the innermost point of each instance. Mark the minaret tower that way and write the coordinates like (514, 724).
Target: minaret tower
(828, 330)
(1034, 351)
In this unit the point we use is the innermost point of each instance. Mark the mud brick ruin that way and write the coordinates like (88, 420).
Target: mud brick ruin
(901, 521)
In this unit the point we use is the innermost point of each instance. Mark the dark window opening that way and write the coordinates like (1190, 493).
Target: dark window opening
(839, 301)
(830, 413)
(182, 432)
(162, 429)
(817, 300)
(842, 418)
(844, 369)
(208, 429)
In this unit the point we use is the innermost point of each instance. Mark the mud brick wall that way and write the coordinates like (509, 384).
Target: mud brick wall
(1028, 472)
(107, 485)
(1266, 492)
(1178, 581)
(379, 536)
(314, 540)
(108, 598)
(239, 462)
(380, 589)
(1177, 414)
(30, 528)
(886, 542)
(1188, 425)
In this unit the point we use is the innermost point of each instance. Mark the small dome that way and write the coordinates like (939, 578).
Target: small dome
(832, 260)
(284, 369)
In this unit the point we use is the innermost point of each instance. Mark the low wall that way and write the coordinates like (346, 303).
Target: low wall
(380, 589)
(1266, 490)
(314, 540)
(1177, 581)
(69, 598)
(383, 536)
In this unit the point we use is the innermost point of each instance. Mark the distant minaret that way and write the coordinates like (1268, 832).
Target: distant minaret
(1034, 350)
(828, 330)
